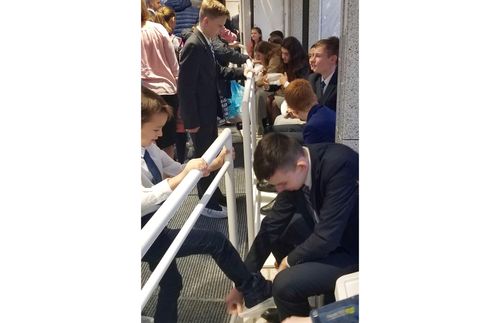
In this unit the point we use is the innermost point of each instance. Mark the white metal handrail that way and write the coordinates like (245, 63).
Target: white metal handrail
(162, 216)
(248, 116)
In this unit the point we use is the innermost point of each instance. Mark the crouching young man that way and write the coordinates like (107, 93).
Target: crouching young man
(312, 229)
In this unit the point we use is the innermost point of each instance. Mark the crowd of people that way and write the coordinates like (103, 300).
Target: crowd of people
(312, 226)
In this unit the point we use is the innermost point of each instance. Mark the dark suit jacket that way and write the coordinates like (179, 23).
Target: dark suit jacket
(199, 99)
(329, 98)
(334, 196)
(320, 125)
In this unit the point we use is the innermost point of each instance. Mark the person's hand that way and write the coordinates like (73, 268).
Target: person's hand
(234, 44)
(199, 164)
(283, 264)
(193, 130)
(283, 79)
(234, 302)
(222, 153)
(265, 82)
(247, 71)
(297, 319)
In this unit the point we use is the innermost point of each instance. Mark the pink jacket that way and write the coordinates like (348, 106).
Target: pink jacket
(159, 66)
(228, 35)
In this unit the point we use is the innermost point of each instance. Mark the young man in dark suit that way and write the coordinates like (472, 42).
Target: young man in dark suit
(313, 228)
(323, 61)
(303, 104)
(199, 94)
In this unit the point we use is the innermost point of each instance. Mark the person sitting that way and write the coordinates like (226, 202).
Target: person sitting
(160, 175)
(276, 37)
(303, 104)
(323, 60)
(313, 228)
(268, 55)
(295, 64)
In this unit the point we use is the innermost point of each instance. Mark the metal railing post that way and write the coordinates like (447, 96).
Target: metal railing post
(232, 219)
(247, 156)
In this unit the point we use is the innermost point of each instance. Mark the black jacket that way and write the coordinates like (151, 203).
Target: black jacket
(329, 98)
(334, 195)
(199, 99)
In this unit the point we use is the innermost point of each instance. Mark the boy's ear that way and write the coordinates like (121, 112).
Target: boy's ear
(302, 163)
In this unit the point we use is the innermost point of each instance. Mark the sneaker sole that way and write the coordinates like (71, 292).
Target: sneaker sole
(211, 216)
(214, 215)
(258, 309)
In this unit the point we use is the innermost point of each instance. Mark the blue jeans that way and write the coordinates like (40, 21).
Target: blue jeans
(197, 242)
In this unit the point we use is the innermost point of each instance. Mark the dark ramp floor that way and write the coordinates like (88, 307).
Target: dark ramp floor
(205, 286)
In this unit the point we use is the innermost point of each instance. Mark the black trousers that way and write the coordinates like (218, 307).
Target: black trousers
(197, 242)
(202, 140)
(293, 286)
(168, 131)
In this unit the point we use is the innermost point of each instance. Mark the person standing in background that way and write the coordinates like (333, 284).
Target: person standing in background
(199, 94)
(255, 38)
(159, 72)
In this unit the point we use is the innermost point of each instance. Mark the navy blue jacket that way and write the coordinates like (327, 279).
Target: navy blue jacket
(329, 98)
(320, 125)
(186, 15)
(334, 196)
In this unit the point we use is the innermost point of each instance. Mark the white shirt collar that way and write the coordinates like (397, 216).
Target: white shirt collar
(327, 80)
(308, 181)
(206, 38)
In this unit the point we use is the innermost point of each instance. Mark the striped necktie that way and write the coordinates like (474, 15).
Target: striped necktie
(307, 196)
(211, 49)
(323, 86)
(153, 169)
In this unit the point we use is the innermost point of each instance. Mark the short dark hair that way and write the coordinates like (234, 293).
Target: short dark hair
(277, 33)
(275, 151)
(331, 45)
(151, 104)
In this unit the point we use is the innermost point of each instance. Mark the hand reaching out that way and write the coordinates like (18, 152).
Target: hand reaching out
(199, 164)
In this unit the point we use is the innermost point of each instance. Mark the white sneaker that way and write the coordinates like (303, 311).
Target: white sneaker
(211, 213)
(258, 309)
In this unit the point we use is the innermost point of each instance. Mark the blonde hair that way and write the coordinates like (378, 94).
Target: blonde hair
(163, 15)
(213, 9)
(144, 12)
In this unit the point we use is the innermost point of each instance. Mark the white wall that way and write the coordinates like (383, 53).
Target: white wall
(330, 16)
(269, 16)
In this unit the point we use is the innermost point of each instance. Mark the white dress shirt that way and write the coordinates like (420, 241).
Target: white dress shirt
(154, 195)
(327, 80)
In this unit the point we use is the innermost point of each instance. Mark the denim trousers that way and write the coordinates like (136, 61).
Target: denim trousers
(198, 241)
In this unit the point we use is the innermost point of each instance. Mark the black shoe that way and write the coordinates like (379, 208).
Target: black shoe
(271, 315)
(266, 209)
(258, 295)
(264, 186)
